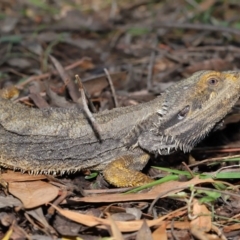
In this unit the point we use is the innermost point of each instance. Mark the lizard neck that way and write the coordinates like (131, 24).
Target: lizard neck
(124, 119)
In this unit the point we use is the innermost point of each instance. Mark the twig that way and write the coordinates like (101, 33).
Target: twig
(91, 118)
(113, 10)
(88, 192)
(150, 70)
(46, 75)
(134, 6)
(201, 27)
(189, 205)
(222, 168)
(175, 237)
(91, 106)
(188, 169)
(214, 48)
(73, 92)
(161, 195)
(60, 199)
(218, 159)
(112, 87)
(235, 195)
(220, 149)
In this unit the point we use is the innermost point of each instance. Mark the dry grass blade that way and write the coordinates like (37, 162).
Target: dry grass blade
(112, 87)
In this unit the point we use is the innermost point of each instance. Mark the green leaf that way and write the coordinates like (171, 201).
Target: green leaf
(91, 176)
(167, 178)
(227, 175)
(237, 25)
(211, 194)
(137, 31)
(11, 39)
(178, 172)
(206, 199)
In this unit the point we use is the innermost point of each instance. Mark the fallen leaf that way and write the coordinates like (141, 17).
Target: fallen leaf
(152, 194)
(216, 64)
(9, 201)
(8, 234)
(124, 226)
(206, 5)
(231, 228)
(144, 232)
(34, 193)
(96, 84)
(72, 88)
(160, 233)
(20, 63)
(11, 176)
(115, 232)
(203, 220)
(39, 101)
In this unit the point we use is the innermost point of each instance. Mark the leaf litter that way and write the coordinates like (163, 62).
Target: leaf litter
(144, 45)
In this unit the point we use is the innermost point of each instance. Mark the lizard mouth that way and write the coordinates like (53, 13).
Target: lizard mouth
(170, 144)
(184, 142)
(167, 145)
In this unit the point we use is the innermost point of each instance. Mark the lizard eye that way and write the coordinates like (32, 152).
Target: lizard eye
(183, 113)
(213, 81)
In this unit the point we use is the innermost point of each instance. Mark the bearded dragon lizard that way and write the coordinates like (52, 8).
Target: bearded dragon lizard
(62, 140)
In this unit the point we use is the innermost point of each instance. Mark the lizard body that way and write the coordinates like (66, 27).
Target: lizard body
(63, 140)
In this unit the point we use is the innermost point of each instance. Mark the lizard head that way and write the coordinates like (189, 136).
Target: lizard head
(191, 109)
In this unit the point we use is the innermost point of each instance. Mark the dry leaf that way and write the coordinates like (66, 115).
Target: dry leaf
(11, 176)
(206, 5)
(115, 232)
(129, 226)
(160, 233)
(216, 64)
(202, 224)
(231, 228)
(8, 234)
(96, 84)
(33, 194)
(144, 232)
(152, 194)
(203, 221)
(9, 201)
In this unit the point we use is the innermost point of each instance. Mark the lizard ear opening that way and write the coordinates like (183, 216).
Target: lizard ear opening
(183, 113)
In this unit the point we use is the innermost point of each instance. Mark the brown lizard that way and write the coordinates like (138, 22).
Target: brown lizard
(62, 140)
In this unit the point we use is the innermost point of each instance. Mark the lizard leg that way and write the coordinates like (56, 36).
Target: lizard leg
(124, 171)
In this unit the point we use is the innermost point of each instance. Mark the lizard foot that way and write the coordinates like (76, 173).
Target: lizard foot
(123, 172)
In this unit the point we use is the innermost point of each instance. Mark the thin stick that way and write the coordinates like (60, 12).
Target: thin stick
(188, 169)
(150, 70)
(112, 87)
(46, 75)
(217, 159)
(91, 118)
(73, 92)
(200, 27)
(91, 106)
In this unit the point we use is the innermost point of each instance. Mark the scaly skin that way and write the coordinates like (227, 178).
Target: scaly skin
(62, 140)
